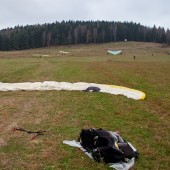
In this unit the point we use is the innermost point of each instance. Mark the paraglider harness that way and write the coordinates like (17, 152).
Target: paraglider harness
(105, 146)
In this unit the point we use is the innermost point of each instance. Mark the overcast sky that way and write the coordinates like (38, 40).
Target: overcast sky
(23, 12)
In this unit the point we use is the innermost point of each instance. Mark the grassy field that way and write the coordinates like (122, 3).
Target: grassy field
(63, 114)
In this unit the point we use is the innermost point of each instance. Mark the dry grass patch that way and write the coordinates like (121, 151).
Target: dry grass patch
(64, 113)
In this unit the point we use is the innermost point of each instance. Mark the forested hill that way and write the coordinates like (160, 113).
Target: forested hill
(76, 32)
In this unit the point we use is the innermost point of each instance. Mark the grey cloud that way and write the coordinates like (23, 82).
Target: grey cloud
(22, 12)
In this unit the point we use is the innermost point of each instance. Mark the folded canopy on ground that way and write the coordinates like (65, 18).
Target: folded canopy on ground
(81, 86)
(114, 52)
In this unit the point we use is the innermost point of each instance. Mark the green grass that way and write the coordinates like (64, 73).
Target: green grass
(64, 113)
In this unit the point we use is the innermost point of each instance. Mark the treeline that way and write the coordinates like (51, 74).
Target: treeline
(77, 32)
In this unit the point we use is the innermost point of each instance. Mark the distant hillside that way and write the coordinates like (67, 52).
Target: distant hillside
(78, 32)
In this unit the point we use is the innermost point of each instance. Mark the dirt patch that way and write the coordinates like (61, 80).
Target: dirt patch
(2, 142)
(11, 126)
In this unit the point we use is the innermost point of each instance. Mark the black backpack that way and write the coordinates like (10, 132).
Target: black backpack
(106, 147)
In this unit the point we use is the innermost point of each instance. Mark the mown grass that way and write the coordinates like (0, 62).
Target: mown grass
(64, 113)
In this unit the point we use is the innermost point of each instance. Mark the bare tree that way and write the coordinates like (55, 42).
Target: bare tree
(168, 36)
(94, 35)
(69, 38)
(48, 39)
(76, 35)
(88, 34)
(115, 32)
(43, 38)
